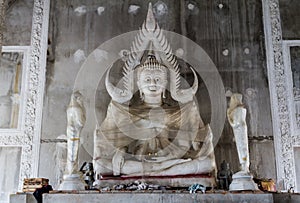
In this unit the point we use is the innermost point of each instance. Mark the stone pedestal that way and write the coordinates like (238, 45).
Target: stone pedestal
(22, 198)
(159, 197)
(173, 181)
(72, 182)
(242, 181)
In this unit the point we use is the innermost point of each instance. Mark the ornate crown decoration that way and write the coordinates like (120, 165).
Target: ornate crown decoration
(151, 63)
(151, 35)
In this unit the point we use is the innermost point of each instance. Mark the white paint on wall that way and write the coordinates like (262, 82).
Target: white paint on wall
(133, 9)
(79, 56)
(81, 10)
(100, 10)
(191, 6)
(160, 8)
(225, 52)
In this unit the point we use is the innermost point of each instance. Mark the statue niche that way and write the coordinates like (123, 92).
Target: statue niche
(146, 135)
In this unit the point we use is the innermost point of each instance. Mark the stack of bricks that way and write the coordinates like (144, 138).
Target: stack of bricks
(31, 184)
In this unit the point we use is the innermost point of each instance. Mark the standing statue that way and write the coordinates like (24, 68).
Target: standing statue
(237, 119)
(75, 122)
(224, 176)
(158, 131)
(236, 114)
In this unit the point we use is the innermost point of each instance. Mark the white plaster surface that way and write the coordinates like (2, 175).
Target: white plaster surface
(10, 166)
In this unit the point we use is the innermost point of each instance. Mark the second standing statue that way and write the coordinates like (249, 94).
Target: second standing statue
(236, 114)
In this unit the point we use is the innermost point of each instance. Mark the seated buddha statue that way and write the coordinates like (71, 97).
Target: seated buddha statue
(143, 133)
(153, 138)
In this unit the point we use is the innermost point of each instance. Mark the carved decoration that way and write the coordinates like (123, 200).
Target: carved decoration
(150, 33)
(280, 97)
(28, 136)
(293, 90)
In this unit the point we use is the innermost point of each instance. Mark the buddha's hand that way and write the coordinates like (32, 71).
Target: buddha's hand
(118, 162)
(160, 158)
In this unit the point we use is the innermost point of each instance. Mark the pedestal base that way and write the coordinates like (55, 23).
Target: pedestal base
(242, 181)
(22, 198)
(172, 181)
(158, 197)
(72, 182)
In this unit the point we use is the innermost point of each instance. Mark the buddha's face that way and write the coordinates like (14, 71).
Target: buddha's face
(152, 82)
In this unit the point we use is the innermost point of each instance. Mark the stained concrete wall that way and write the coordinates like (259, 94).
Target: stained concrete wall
(289, 9)
(230, 32)
(17, 30)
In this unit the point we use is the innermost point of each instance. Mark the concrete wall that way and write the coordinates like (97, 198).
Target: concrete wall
(17, 30)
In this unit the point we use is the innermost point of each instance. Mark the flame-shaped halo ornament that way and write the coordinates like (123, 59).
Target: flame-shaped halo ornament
(151, 35)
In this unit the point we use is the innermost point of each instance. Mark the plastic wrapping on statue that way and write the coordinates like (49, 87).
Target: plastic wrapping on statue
(72, 179)
(237, 119)
(76, 120)
(168, 140)
(156, 130)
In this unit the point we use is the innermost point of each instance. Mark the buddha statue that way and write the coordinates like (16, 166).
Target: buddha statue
(143, 133)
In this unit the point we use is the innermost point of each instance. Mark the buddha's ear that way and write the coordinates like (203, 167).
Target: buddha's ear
(164, 93)
(142, 96)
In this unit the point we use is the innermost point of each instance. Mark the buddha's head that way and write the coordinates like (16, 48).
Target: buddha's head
(152, 79)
